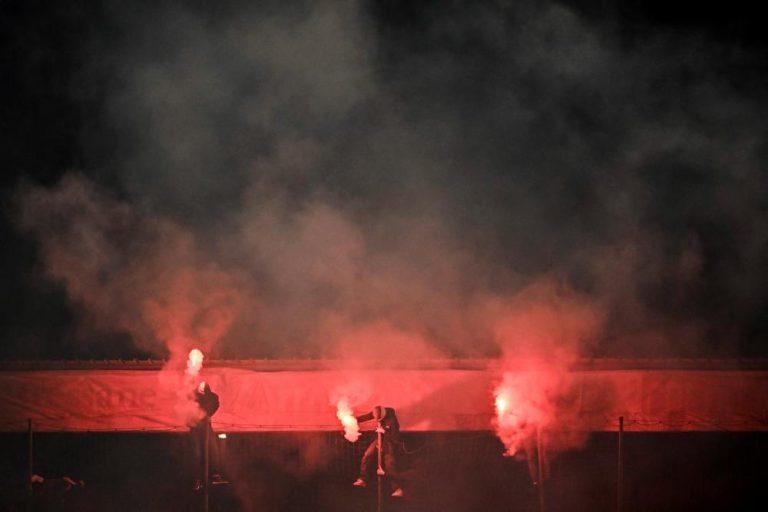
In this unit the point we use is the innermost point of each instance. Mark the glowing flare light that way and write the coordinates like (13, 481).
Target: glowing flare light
(501, 405)
(348, 421)
(521, 408)
(194, 362)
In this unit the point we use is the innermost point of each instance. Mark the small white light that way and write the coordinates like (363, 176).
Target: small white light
(222, 436)
(501, 404)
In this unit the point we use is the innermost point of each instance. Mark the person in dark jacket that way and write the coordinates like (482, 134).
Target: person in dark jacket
(389, 427)
(200, 430)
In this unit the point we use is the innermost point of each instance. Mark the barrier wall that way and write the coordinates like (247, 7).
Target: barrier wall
(426, 400)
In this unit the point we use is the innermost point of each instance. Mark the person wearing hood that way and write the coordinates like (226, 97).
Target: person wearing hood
(389, 428)
(201, 431)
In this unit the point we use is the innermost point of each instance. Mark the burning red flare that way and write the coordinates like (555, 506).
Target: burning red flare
(521, 408)
(501, 405)
(194, 362)
(348, 420)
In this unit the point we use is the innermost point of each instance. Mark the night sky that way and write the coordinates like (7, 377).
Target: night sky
(310, 179)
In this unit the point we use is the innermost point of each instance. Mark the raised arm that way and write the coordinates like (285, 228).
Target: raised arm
(365, 417)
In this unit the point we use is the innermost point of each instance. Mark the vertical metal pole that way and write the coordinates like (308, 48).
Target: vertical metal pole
(206, 453)
(379, 471)
(540, 464)
(30, 455)
(30, 502)
(620, 475)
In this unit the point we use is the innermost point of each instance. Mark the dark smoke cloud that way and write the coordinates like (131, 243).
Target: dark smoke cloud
(292, 176)
(129, 272)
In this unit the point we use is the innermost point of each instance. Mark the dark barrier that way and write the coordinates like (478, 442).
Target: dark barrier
(447, 472)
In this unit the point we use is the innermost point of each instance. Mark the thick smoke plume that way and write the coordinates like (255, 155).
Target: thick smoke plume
(359, 180)
(544, 330)
(371, 181)
(185, 406)
(130, 272)
(354, 392)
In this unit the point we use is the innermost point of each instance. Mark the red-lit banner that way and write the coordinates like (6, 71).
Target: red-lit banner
(446, 400)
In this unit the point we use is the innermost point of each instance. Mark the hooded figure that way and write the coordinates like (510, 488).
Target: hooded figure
(389, 427)
(200, 429)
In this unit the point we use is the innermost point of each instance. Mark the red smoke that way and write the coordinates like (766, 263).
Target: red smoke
(185, 406)
(128, 271)
(526, 403)
(347, 417)
(345, 397)
(542, 331)
(378, 342)
(148, 276)
(194, 362)
(195, 308)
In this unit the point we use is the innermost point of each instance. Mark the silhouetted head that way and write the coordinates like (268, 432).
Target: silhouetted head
(379, 413)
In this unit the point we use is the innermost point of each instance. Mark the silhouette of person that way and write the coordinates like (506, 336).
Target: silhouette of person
(389, 427)
(201, 431)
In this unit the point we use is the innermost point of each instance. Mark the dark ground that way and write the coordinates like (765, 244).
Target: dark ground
(445, 472)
